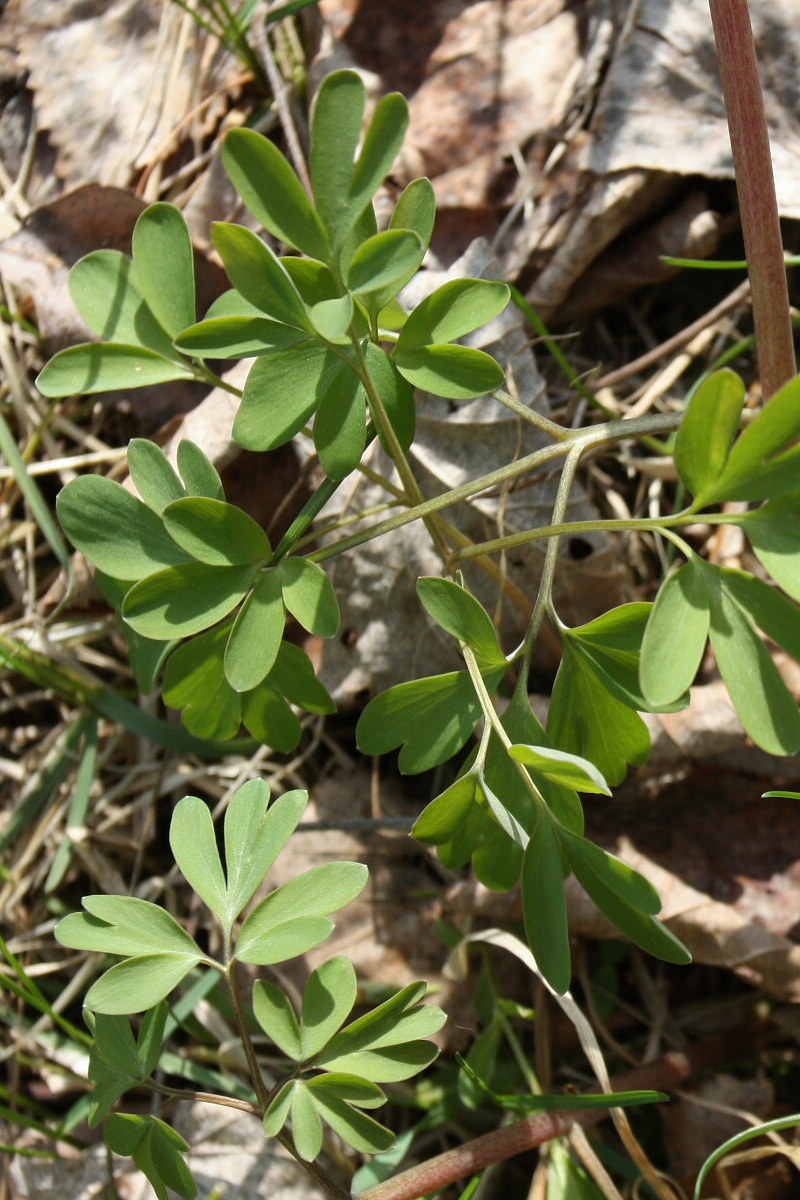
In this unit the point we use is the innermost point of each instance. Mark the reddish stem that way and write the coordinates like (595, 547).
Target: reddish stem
(755, 183)
(665, 1073)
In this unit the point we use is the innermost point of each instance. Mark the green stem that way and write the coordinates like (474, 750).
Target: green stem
(550, 561)
(396, 452)
(755, 184)
(615, 431)
(204, 1097)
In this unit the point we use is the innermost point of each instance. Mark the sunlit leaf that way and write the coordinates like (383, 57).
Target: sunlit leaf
(309, 596)
(136, 984)
(327, 1001)
(569, 770)
(453, 310)
(129, 542)
(764, 460)
(198, 473)
(164, 261)
(154, 477)
(106, 367)
(676, 634)
(455, 372)
(430, 719)
(461, 615)
(216, 533)
(187, 599)
(107, 294)
(384, 263)
(237, 337)
(293, 919)
(272, 192)
(707, 432)
(256, 634)
(281, 393)
(274, 1013)
(256, 272)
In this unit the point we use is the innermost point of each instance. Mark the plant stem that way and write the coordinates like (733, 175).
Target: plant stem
(612, 431)
(664, 1074)
(755, 183)
(392, 443)
(550, 560)
(256, 1078)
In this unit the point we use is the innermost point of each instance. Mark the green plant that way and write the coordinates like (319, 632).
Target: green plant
(202, 593)
(334, 1068)
(197, 583)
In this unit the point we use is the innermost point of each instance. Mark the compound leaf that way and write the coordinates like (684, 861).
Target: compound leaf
(764, 704)
(627, 883)
(293, 918)
(293, 676)
(430, 719)
(335, 130)
(194, 681)
(255, 836)
(274, 1012)
(587, 719)
(340, 432)
(152, 474)
(270, 720)
(331, 319)
(281, 393)
(416, 210)
(156, 1149)
(639, 926)
(327, 1001)
(306, 1123)
(138, 983)
(198, 473)
(384, 263)
(772, 530)
(237, 337)
(356, 1128)
(193, 841)
(764, 460)
(106, 293)
(567, 770)
(124, 925)
(216, 533)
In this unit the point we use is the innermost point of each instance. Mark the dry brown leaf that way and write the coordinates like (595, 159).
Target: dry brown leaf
(660, 106)
(104, 79)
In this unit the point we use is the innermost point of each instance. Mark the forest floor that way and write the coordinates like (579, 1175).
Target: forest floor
(570, 152)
